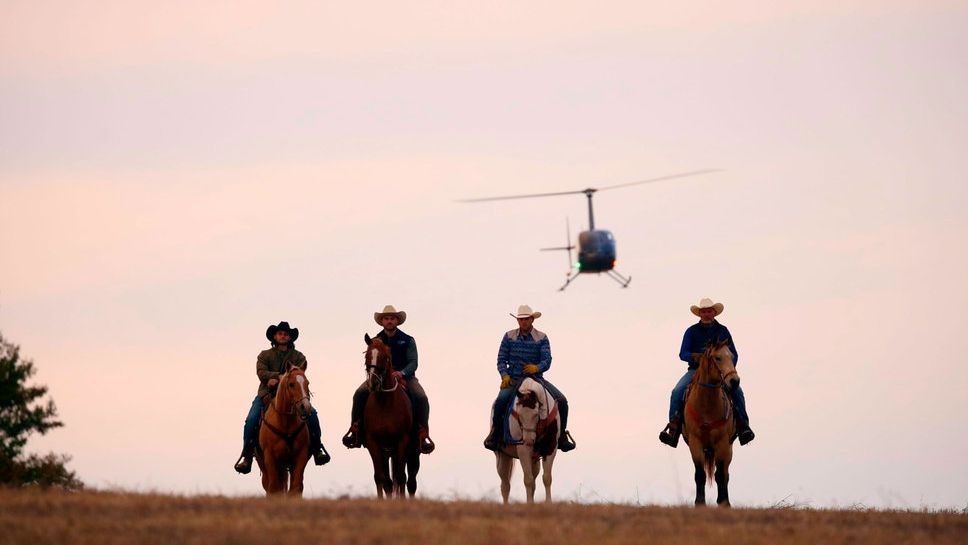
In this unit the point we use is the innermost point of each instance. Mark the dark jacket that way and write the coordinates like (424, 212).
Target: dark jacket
(272, 363)
(403, 352)
(699, 336)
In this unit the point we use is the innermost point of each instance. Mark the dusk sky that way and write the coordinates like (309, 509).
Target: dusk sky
(175, 178)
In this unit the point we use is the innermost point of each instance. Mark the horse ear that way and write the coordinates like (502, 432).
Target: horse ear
(367, 339)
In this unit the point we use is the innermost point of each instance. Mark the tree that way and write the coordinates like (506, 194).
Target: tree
(22, 413)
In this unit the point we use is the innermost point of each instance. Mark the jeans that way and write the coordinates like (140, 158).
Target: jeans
(505, 398)
(677, 401)
(250, 432)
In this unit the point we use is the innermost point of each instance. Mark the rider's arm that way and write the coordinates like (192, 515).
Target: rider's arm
(411, 367)
(545, 347)
(685, 352)
(503, 365)
(262, 367)
(732, 346)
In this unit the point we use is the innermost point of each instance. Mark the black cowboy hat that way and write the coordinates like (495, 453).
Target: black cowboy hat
(283, 326)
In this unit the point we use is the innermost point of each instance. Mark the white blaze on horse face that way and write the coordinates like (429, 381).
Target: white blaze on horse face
(303, 392)
(374, 357)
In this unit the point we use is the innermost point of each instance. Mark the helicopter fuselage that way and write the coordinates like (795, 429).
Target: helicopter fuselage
(596, 251)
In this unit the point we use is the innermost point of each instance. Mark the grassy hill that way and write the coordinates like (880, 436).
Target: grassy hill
(34, 517)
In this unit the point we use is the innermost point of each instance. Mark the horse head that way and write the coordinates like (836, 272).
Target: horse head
(377, 363)
(717, 365)
(527, 409)
(292, 396)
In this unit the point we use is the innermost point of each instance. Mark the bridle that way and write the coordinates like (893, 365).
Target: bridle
(294, 404)
(708, 357)
(379, 374)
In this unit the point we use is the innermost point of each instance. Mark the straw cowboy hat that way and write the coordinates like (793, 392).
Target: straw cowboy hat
(707, 303)
(387, 310)
(283, 326)
(524, 311)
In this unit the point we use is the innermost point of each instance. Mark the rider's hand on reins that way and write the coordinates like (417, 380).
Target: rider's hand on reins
(272, 382)
(530, 369)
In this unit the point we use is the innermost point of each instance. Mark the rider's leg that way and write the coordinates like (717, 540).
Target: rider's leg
(421, 414)
(498, 412)
(565, 442)
(250, 435)
(354, 436)
(320, 456)
(677, 400)
(743, 430)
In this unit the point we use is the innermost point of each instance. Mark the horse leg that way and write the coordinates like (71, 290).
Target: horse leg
(698, 459)
(527, 467)
(504, 466)
(723, 459)
(413, 466)
(547, 462)
(297, 475)
(379, 473)
(398, 462)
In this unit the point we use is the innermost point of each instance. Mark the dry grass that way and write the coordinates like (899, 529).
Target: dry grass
(35, 518)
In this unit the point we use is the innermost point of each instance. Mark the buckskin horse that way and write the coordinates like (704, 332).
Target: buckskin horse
(284, 437)
(389, 433)
(709, 427)
(534, 418)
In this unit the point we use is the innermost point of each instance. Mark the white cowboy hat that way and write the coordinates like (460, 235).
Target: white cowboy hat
(524, 311)
(401, 315)
(706, 302)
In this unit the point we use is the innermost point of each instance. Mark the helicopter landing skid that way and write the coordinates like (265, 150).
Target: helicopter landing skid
(614, 275)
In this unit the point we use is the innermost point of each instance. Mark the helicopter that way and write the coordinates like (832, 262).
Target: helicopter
(596, 247)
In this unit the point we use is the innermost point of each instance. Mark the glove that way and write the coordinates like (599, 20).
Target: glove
(530, 369)
(505, 382)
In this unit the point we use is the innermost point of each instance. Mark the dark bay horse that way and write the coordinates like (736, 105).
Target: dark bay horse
(709, 426)
(389, 433)
(284, 437)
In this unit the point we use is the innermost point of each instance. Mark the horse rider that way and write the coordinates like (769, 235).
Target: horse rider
(697, 337)
(524, 352)
(403, 356)
(269, 366)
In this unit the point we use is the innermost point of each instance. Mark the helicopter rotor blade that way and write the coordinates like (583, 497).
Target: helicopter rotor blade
(568, 242)
(509, 197)
(661, 178)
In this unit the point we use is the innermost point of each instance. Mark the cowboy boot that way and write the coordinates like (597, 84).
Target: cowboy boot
(353, 438)
(244, 464)
(565, 442)
(426, 444)
(670, 435)
(744, 433)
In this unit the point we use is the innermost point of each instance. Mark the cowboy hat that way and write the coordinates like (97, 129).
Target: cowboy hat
(401, 315)
(524, 311)
(706, 302)
(283, 326)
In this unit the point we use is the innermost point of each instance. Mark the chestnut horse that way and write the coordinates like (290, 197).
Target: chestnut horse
(284, 437)
(388, 427)
(534, 419)
(709, 427)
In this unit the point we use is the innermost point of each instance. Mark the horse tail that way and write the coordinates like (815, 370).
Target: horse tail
(709, 462)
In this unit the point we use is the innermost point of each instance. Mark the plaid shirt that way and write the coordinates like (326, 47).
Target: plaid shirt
(518, 350)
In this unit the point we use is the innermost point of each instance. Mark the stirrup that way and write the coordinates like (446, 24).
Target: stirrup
(565, 442)
(670, 435)
(352, 438)
(746, 436)
(244, 464)
(426, 443)
(321, 457)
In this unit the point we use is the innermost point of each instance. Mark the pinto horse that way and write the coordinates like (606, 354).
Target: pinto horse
(534, 418)
(709, 426)
(284, 437)
(389, 433)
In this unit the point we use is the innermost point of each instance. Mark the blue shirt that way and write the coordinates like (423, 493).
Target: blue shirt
(700, 336)
(518, 350)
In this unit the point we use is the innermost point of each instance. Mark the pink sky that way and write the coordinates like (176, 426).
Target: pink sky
(175, 178)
